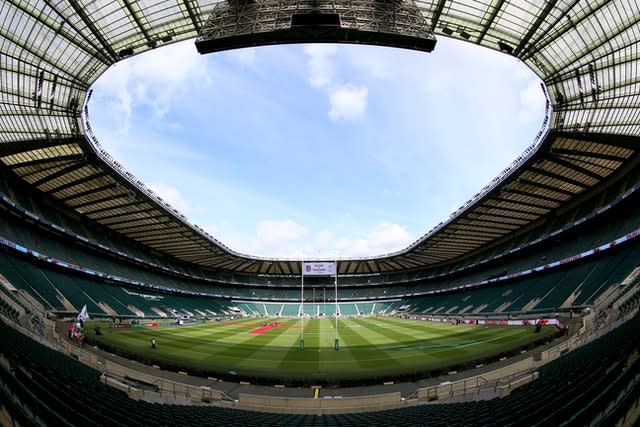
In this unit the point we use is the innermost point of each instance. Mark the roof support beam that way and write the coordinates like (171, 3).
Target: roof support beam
(465, 234)
(95, 51)
(122, 220)
(591, 48)
(102, 200)
(523, 203)
(511, 218)
(604, 61)
(538, 44)
(161, 238)
(89, 23)
(537, 196)
(119, 214)
(518, 211)
(490, 222)
(80, 181)
(437, 12)
(535, 26)
(141, 226)
(9, 148)
(568, 152)
(547, 187)
(562, 162)
(88, 192)
(626, 141)
(492, 17)
(178, 248)
(70, 75)
(138, 22)
(58, 174)
(150, 236)
(558, 177)
(192, 15)
(53, 160)
(109, 208)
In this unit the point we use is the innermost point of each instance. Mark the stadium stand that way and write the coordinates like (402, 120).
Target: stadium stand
(574, 389)
(556, 233)
(371, 288)
(591, 233)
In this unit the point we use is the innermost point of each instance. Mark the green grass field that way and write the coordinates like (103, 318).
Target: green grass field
(377, 347)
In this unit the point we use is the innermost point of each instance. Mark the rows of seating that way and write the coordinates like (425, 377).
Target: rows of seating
(112, 267)
(316, 309)
(98, 234)
(9, 311)
(597, 235)
(573, 285)
(53, 286)
(555, 224)
(544, 291)
(631, 303)
(27, 276)
(44, 385)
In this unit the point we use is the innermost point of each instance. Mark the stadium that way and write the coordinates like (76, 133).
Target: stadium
(520, 308)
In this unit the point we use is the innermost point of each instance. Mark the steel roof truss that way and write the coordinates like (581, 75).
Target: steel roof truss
(60, 173)
(76, 182)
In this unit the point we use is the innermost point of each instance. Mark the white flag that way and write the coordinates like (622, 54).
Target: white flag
(83, 314)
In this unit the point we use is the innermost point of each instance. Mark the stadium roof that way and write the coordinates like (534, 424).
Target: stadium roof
(586, 52)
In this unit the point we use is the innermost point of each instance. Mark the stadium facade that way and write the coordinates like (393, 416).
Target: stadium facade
(561, 218)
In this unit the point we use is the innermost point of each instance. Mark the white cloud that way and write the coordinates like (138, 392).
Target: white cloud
(348, 102)
(323, 238)
(154, 79)
(385, 237)
(225, 233)
(320, 68)
(279, 234)
(388, 237)
(288, 239)
(349, 247)
(320, 245)
(172, 196)
(172, 65)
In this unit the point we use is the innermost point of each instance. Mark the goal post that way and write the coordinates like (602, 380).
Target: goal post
(319, 268)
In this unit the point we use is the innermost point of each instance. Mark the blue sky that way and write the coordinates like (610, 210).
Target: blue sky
(317, 151)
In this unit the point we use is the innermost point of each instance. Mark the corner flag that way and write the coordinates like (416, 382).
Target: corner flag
(83, 314)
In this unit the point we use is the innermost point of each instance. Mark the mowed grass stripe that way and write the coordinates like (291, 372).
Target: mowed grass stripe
(245, 352)
(437, 328)
(168, 350)
(368, 333)
(194, 336)
(343, 359)
(253, 357)
(179, 344)
(419, 329)
(391, 332)
(306, 360)
(366, 348)
(317, 345)
(362, 344)
(196, 343)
